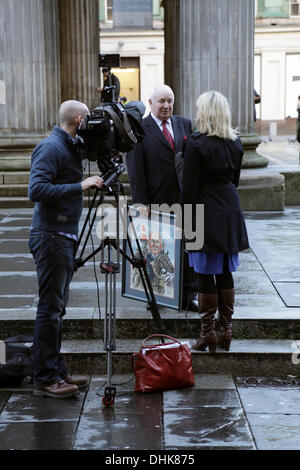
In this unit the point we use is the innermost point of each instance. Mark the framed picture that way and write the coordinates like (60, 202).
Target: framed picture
(161, 246)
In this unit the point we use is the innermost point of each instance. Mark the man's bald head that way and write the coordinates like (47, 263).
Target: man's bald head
(161, 90)
(161, 102)
(69, 112)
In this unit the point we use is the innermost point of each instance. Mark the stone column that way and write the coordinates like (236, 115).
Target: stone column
(48, 53)
(79, 49)
(29, 77)
(210, 46)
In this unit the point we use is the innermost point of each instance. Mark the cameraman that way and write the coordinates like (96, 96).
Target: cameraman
(109, 79)
(56, 187)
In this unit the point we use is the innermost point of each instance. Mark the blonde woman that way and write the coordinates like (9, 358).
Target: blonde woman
(212, 161)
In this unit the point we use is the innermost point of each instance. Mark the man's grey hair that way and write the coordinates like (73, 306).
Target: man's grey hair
(70, 110)
(160, 88)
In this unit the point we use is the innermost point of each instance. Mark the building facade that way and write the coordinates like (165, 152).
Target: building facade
(137, 34)
(276, 63)
(277, 58)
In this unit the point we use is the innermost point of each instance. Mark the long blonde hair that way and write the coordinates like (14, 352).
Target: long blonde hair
(214, 116)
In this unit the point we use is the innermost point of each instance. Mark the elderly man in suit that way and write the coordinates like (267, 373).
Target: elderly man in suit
(151, 163)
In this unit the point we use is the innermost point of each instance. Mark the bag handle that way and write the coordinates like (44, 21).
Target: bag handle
(160, 335)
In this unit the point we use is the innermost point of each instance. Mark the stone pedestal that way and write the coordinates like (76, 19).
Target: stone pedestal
(251, 158)
(210, 46)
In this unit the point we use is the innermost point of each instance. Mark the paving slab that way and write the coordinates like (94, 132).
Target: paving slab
(17, 262)
(53, 435)
(23, 407)
(207, 428)
(134, 422)
(271, 405)
(275, 431)
(289, 292)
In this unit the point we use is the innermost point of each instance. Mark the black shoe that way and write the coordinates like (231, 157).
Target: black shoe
(191, 302)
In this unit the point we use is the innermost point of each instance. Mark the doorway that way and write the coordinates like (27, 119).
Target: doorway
(292, 84)
(129, 76)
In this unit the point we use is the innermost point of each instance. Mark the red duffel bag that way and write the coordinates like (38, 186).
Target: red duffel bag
(163, 366)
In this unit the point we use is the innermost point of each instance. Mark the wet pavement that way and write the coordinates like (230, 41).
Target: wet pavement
(224, 411)
(219, 413)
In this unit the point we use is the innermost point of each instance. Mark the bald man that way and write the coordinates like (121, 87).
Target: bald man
(56, 188)
(151, 165)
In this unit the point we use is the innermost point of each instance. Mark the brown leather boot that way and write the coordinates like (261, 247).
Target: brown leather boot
(58, 389)
(208, 304)
(225, 308)
(79, 380)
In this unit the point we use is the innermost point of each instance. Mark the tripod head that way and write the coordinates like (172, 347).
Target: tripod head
(111, 169)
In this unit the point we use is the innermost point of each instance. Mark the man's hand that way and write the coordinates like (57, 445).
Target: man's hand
(92, 181)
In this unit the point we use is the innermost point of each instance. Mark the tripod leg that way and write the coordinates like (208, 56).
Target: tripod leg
(152, 300)
(109, 330)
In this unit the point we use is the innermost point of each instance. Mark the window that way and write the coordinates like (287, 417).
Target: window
(109, 10)
(272, 8)
(105, 10)
(294, 7)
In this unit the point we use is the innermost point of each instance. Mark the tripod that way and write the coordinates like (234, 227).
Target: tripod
(111, 268)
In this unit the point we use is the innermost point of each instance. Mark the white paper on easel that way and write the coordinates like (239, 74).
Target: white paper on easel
(2, 352)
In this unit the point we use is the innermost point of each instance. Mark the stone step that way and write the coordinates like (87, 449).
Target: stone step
(258, 190)
(14, 177)
(15, 202)
(22, 202)
(22, 177)
(13, 190)
(137, 322)
(246, 357)
(21, 190)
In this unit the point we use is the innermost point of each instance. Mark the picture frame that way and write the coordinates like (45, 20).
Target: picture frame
(161, 244)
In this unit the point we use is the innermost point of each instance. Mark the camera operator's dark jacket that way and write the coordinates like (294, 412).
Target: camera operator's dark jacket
(54, 186)
(151, 164)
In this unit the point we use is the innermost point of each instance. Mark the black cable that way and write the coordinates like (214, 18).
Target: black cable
(92, 241)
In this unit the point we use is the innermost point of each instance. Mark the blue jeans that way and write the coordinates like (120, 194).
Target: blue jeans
(54, 258)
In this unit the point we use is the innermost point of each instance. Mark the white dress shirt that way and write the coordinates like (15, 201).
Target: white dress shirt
(159, 123)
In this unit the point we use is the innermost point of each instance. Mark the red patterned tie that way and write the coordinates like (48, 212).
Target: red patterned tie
(168, 136)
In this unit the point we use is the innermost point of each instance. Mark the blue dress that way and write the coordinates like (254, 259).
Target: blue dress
(212, 263)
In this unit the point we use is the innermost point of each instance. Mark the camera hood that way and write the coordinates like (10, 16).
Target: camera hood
(135, 111)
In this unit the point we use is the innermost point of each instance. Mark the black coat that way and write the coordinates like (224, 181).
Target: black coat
(151, 163)
(107, 96)
(211, 172)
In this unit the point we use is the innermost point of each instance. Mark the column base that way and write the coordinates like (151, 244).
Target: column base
(15, 151)
(251, 158)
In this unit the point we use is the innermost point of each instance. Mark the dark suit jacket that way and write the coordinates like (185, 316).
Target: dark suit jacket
(151, 163)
